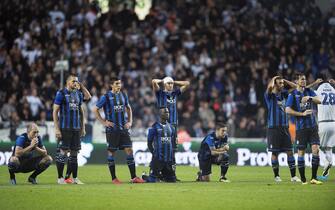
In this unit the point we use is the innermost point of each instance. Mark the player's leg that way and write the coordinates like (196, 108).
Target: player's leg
(205, 170)
(315, 144)
(329, 160)
(13, 167)
(155, 171)
(113, 145)
(61, 156)
(301, 138)
(274, 137)
(292, 166)
(41, 164)
(73, 159)
(224, 165)
(168, 173)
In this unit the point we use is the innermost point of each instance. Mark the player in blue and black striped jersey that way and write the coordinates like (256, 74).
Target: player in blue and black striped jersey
(168, 97)
(118, 120)
(29, 154)
(160, 138)
(69, 127)
(214, 150)
(300, 103)
(278, 137)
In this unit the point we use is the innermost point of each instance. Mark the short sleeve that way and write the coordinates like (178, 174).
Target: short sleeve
(58, 98)
(101, 102)
(289, 102)
(20, 141)
(210, 142)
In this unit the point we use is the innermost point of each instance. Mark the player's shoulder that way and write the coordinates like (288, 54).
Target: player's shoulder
(22, 138)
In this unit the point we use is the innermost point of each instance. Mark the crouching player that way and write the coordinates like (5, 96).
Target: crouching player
(214, 150)
(160, 138)
(23, 161)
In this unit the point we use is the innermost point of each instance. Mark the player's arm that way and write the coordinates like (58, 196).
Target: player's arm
(97, 114)
(331, 81)
(183, 85)
(271, 85)
(87, 94)
(155, 84)
(291, 111)
(41, 150)
(314, 99)
(151, 136)
(292, 85)
(130, 117)
(55, 111)
(216, 152)
(82, 122)
(19, 150)
(315, 83)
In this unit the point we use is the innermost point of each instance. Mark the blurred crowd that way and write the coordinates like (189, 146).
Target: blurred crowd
(227, 49)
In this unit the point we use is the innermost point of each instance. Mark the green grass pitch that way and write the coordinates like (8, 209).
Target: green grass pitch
(251, 188)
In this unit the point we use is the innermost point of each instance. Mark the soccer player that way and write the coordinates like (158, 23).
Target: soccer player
(300, 104)
(277, 133)
(168, 97)
(69, 127)
(214, 150)
(29, 154)
(160, 138)
(326, 119)
(118, 120)
(87, 96)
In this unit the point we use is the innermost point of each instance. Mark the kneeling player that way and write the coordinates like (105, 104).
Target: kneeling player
(160, 138)
(214, 150)
(23, 161)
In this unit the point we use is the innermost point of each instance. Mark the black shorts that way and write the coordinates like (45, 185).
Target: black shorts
(279, 140)
(162, 168)
(118, 140)
(206, 165)
(28, 164)
(307, 136)
(70, 140)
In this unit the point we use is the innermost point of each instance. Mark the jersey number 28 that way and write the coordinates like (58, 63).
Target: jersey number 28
(329, 98)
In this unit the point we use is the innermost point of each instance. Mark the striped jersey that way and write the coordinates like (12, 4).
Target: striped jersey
(23, 141)
(160, 138)
(70, 104)
(294, 101)
(114, 106)
(275, 103)
(210, 142)
(169, 100)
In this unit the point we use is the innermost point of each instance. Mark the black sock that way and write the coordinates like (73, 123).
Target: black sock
(73, 161)
(131, 166)
(224, 169)
(11, 174)
(301, 167)
(60, 161)
(111, 166)
(68, 170)
(40, 169)
(275, 167)
(291, 165)
(315, 165)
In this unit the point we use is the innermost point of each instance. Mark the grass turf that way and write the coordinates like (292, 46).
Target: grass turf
(251, 188)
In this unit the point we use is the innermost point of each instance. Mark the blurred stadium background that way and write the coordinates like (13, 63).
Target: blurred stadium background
(228, 49)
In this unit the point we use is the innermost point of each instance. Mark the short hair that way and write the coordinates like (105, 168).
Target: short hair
(114, 79)
(298, 75)
(279, 78)
(220, 125)
(30, 126)
(70, 76)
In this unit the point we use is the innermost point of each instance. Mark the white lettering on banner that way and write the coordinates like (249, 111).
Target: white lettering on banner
(4, 157)
(244, 155)
(143, 157)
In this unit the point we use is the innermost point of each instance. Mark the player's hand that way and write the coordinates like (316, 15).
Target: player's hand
(34, 142)
(58, 134)
(332, 81)
(226, 147)
(318, 81)
(307, 112)
(128, 125)
(82, 133)
(305, 99)
(109, 124)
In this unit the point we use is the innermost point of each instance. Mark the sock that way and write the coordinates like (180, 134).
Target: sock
(60, 161)
(275, 167)
(111, 166)
(68, 170)
(291, 165)
(12, 167)
(131, 165)
(329, 156)
(73, 161)
(301, 168)
(40, 168)
(315, 165)
(224, 165)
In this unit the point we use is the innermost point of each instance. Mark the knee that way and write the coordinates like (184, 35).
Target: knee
(13, 163)
(315, 149)
(129, 151)
(47, 159)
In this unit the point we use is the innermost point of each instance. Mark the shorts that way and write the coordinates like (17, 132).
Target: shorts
(307, 136)
(162, 169)
(327, 134)
(118, 140)
(206, 165)
(279, 140)
(28, 164)
(70, 140)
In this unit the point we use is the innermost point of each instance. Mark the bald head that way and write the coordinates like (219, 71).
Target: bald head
(32, 130)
